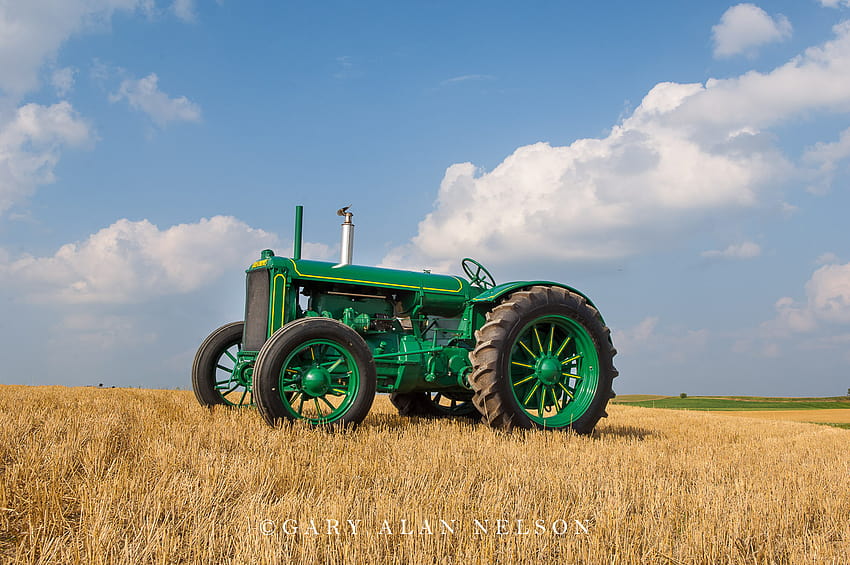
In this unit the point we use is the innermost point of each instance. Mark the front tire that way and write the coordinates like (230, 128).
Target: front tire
(543, 359)
(215, 376)
(315, 369)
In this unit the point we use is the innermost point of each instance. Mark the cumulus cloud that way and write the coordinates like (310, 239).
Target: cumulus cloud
(144, 94)
(826, 157)
(689, 153)
(744, 250)
(744, 27)
(32, 31)
(131, 262)
(827, 303)
(63, 80)
(834, 3)
(30, 145)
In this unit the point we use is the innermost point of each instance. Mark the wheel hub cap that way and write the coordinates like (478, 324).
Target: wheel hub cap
(548, 369)
(316, 382)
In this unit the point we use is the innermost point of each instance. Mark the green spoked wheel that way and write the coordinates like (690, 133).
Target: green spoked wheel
(554, 370)
(315, 369)
(544, 359)
(217, 375)
(434, 404)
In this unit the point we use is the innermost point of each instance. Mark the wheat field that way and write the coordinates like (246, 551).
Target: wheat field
(114, 476)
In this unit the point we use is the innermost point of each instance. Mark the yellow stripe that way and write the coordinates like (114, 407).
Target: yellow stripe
(259, 263)
(459, 288)
(282, 300)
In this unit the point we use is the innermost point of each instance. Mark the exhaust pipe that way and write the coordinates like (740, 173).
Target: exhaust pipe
(296, 243)
(347, 243)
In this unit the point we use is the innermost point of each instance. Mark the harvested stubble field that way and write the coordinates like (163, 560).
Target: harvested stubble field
(140, 476)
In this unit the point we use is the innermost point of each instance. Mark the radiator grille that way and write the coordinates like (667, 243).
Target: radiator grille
(256, 310)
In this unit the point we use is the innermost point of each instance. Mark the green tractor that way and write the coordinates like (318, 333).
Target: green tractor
(320, 339)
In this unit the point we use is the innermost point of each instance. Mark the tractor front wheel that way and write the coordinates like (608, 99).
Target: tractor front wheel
(217, 377)
(543, 359)
(315, 369)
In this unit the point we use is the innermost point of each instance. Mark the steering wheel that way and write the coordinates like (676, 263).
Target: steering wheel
(477, 274)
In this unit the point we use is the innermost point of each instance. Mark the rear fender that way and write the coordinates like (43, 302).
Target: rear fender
(494, 294)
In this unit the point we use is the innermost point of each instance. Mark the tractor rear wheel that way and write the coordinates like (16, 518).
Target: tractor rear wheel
(543, 359)
(315, 369)
(215, 376)
(434, 404)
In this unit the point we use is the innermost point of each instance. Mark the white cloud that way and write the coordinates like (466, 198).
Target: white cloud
(184, 9)
(826, 258)
(688, 155)
(30, 145)
(834, 3)
(130, 262)
(744, 27)
(827, 156)
(674, 344)
(63, 80)
(466, 78)
(632, 339)
(32, 31)
(744, 250)
(144, 94)
(827, 303)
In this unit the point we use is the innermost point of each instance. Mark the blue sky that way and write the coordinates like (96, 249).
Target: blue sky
(683, 163)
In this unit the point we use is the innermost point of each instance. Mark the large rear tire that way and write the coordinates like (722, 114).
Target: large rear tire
(543, 359)
(215, 377)
(315, 369)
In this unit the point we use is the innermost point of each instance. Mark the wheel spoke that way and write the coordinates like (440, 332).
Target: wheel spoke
(223, 368)
(530, 394)
(244, 394)
(537, 336)
(558, 407)
(563, 345)
(573, 358)
(566, 390)
(229, 354)
(326, 401)
(318, 409)
(521, 364)
(551, 336)
(333, 364)
(530, 352)
(526, 379)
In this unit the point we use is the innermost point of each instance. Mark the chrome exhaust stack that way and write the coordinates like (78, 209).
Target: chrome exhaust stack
(347, 243)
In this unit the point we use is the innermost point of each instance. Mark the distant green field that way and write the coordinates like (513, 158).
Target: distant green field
(842, 426)
(742, 403)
